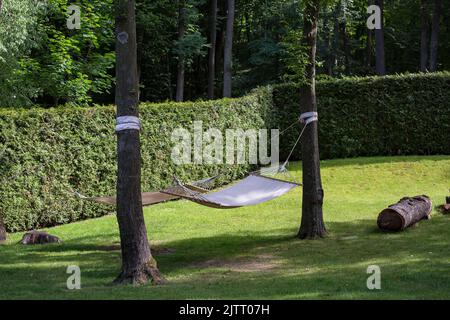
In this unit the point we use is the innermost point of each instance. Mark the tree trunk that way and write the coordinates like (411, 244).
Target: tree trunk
(342, 28)
(424, 35)
(435, 35)
(181, 68)
(405, 213)
(228, 51)
(327, 40)
(348, 69)
(312, 224)
(369, 50)
(138, 265)
(212, 50)
(379, 43)
(336, 35)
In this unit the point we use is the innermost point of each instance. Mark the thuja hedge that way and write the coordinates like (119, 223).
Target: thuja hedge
(393, 115)
(45, 154)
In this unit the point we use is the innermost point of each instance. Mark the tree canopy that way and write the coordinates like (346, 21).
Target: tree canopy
(43, 62)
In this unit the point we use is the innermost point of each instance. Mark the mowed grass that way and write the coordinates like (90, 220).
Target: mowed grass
(252, 253)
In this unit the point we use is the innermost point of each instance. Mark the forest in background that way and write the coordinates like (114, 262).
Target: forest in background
(183, 48)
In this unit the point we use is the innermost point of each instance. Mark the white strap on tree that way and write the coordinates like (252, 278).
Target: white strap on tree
(309, 117)
(128, 123)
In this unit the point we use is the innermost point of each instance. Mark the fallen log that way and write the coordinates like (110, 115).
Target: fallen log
(405, 213)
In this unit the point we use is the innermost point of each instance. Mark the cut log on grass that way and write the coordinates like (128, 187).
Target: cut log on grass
(405, 213)
(38, 237)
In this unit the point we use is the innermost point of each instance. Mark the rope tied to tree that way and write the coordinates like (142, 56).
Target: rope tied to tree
(305, 118)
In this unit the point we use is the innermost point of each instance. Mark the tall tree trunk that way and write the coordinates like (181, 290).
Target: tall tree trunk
(379, 43)
(424, 20)
(312, 224)
(212, 50)
(336, 35)
(2, 225)
(348, 69)
(435, 35)
(327, 40)
(138, 265)
(181, 67)
(228, 51)
(369, 50)
(346, 44)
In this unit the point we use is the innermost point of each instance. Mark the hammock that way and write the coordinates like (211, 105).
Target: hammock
(254, 189)
(148, 198)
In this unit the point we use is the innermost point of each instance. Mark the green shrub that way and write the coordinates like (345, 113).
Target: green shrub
(393, 115)
(47, 153)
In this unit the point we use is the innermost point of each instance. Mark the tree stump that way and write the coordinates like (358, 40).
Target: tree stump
(405, 213)
(38, 237)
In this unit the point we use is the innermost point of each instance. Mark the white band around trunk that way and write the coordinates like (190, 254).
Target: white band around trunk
(128, 123)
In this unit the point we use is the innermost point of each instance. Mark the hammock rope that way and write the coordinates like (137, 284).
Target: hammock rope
(252, 190)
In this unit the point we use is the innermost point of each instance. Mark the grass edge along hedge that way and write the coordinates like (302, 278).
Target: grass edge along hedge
(47, 153)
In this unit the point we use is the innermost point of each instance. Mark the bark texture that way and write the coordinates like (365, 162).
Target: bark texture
(312, 224)
(405, 213)
(369, 49)
(425, 24)
(138, 265)
(228, 50)
(379, 43)
(345, 40)
(212, 50)
(179, 97)
(2, 225)
(434, 42)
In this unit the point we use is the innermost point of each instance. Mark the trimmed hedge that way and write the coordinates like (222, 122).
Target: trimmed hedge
(393, 115)
(46, 153)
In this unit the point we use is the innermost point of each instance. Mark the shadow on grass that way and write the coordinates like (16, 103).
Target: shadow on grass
(333, 267)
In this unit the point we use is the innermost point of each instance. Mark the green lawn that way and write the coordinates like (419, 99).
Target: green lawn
(252, 253)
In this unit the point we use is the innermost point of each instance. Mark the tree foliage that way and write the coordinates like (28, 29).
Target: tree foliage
(45, 63)
(49, 63)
